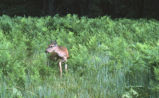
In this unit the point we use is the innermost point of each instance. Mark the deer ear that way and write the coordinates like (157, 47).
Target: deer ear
(55, 42)
(51, 41)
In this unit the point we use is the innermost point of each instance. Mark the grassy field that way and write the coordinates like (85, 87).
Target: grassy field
(109, 58)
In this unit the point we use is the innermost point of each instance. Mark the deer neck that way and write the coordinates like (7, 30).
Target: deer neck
(56, 49)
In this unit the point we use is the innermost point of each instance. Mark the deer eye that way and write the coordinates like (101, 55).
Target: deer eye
(50, 46)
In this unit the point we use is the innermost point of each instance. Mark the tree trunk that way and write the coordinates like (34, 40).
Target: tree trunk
(51, 4)
(48, 7)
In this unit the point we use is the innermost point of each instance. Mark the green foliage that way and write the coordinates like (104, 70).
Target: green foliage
(113, 58)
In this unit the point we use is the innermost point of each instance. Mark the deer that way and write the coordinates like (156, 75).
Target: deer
(60, 53)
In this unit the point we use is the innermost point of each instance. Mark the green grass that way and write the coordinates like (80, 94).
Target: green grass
(108, 58)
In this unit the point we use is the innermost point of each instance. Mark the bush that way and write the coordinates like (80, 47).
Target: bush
(112, 58)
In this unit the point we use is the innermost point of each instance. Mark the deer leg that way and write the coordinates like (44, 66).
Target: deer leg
(60, 68)
(65, 60)
(65, 67)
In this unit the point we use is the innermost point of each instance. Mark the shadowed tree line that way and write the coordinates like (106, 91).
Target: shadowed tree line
(90, 8)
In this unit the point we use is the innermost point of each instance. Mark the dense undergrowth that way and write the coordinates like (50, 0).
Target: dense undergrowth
(108, 58)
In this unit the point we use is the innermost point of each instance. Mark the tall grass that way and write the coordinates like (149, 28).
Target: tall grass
(108, 58)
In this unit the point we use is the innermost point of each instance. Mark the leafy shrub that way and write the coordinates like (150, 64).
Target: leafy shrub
(107, 57)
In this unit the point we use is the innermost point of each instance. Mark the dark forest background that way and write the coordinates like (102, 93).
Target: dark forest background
(90, 8)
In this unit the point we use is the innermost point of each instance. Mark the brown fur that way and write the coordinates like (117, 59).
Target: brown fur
(58, 53)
